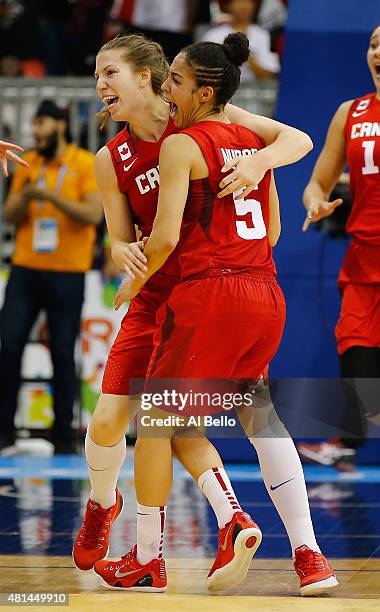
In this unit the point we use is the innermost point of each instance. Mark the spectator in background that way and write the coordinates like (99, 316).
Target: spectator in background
(20, 35)
(55, 207)
(272, 16)
(168, 22)
(262, 63)
(86, 34)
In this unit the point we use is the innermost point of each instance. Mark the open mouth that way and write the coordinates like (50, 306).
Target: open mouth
(173, 109)
(377, 69)
(110, 101)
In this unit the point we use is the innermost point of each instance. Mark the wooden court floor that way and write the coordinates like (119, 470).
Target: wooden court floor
(42, 503)
(270, 585)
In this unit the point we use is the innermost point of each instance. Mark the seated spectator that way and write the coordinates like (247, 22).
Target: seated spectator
(263, 63)
(168, 22)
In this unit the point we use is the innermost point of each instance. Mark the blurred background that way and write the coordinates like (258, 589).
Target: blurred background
(306, 59)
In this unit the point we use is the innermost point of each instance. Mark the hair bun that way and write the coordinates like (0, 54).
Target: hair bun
(236, 48)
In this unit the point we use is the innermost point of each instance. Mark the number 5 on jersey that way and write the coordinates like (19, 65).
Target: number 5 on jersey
(243, 207)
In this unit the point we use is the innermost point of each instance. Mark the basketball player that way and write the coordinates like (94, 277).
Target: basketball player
(353, 139)
(7, 151)
(223, 321)
(130, 72)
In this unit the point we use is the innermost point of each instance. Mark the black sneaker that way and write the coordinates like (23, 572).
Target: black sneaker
(7, 445)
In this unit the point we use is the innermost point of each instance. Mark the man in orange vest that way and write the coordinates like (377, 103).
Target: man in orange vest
(55, 206)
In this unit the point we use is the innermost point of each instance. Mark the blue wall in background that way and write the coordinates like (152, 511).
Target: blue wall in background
(324, 63)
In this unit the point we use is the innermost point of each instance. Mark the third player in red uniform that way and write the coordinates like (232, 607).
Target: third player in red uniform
(354, 139)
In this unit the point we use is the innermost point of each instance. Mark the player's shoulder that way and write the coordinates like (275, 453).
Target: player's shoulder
(344, 107)
(103, 161)
(341, 116)
(103, 154)
(177, 144)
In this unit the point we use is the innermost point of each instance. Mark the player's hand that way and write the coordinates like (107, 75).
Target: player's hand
(247, 172)
(7, 152)
(126, 292)
(320, 210)
(130, 257)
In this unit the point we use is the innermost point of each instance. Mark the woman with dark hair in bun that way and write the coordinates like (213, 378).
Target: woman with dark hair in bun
(220, 326)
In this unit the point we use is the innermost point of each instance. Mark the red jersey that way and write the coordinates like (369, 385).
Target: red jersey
(362, 133)
(224, 233)
(136, 166)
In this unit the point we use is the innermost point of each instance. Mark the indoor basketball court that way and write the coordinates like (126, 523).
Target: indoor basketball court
(43, 501)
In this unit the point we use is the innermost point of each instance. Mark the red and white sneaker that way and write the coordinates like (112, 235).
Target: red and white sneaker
(314, 571)
(129, 574)
(92, 541)
(237, 543)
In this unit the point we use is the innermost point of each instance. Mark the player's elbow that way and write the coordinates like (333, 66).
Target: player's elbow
(168, 244)
(161, 247)
(305, 142)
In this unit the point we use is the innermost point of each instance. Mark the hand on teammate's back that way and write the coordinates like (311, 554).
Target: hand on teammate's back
(247, 173)
(130, 258)
(320, 209)
(7, 151)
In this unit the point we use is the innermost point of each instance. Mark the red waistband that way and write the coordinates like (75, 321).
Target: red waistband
(256, 274)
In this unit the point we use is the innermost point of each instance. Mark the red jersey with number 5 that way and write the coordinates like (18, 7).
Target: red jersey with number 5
(362, 132)
(224, 233)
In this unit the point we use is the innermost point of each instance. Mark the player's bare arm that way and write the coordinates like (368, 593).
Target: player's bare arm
(122, 233)
(285, 145)
(330, 165)
(176, 157)
(8, 151)
(274, 229)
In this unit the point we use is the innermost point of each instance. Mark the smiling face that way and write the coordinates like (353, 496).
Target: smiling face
(118, 84)
(188, 102)
(373, 57)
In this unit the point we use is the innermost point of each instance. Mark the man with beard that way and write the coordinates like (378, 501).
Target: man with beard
(55, 207)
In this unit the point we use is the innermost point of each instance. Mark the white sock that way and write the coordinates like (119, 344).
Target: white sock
(284, 480)
(216, 485)
(104, 465)
(150, 532)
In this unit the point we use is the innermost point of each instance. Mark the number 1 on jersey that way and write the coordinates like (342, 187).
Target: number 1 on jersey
(258, 230)
(369, 161)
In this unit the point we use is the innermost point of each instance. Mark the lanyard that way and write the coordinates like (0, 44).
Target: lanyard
(41, 183)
